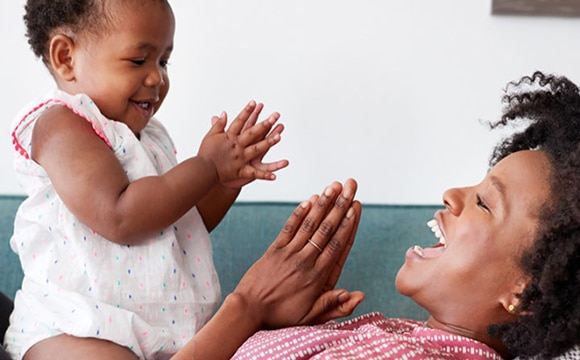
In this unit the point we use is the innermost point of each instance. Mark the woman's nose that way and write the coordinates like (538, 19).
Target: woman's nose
(454, 200)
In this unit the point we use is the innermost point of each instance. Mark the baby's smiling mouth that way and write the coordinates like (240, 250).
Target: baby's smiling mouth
(436, 249)
(146, 108)
(143, 104)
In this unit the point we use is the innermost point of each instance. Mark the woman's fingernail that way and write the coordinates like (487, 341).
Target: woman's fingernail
(328, 191)
(343, 297)
(350, 213)
(346, 194)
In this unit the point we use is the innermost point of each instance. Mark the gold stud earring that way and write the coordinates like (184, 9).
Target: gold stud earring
(511, 308)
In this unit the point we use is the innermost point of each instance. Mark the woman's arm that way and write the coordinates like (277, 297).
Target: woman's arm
(291, 283)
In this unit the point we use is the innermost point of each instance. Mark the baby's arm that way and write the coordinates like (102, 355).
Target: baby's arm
(93, 185)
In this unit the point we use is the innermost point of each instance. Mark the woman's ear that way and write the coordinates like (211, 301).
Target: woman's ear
(61, 59)
(511, 301)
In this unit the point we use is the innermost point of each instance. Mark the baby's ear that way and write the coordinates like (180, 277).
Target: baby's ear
(60, 59)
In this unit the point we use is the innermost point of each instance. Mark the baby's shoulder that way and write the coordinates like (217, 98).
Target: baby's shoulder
(57, 113)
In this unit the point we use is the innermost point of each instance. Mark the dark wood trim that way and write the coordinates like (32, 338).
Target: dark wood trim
(567, 8)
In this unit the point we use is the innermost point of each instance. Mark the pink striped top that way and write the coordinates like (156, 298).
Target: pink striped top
(371, 336)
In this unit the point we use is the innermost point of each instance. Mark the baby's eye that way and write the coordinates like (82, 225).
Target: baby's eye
(138, 61)
(164, 63)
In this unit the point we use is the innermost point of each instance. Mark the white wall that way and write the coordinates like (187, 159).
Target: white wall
(388, 92)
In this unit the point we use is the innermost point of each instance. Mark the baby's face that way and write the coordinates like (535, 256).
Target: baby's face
(124, 70)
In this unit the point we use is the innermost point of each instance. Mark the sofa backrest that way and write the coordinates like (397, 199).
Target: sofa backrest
(385, 233)
(10, 270)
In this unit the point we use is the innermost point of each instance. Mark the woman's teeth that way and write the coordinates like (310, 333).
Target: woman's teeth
(437, 231)
(419, 250)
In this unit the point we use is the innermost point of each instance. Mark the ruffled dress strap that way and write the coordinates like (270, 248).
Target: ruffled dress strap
(110, 131)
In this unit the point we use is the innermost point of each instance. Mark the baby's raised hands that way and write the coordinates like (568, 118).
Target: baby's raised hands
(237, 153)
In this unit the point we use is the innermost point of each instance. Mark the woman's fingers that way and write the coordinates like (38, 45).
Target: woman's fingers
(292, 224)
(333, 304)
(337, 269)
(304, 222)
(310, 225)
(333, 232)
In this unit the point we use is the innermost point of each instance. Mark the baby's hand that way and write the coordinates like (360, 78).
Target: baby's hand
(237, 153)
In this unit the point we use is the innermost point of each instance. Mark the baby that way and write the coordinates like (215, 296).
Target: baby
(113, 237)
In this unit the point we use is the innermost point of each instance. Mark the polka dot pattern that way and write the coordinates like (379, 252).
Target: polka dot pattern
(151, 298)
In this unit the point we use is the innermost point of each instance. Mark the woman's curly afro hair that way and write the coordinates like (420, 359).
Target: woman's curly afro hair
(549, 321)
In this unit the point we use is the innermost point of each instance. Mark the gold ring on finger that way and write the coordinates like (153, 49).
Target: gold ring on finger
(315, 245)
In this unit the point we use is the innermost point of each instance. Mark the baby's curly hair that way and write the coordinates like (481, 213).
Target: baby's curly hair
(549, 321)
(88, 17)
(43, 17)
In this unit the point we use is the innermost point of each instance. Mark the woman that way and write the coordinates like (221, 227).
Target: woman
(504, 278)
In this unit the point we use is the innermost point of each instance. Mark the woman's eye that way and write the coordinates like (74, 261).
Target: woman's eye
(164, 63)
(138, 62)
(481, 204)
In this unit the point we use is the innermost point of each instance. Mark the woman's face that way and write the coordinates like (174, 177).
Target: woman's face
(470, 282)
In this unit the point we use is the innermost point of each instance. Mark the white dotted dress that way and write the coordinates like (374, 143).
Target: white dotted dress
(151, 298)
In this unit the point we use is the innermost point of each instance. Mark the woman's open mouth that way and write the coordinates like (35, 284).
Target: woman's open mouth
(435, 250)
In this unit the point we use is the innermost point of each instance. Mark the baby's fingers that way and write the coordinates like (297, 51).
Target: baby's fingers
(259, 149)
(246, 118)
(253, 117)
(260, 131)
(218, 123)
(271, 166)
(250, 172)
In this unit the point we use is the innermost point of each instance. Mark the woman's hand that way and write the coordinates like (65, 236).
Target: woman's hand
(287, 285)
(292, 283)
(333, 304)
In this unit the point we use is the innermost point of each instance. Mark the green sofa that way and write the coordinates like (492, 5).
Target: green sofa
(385, 233)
